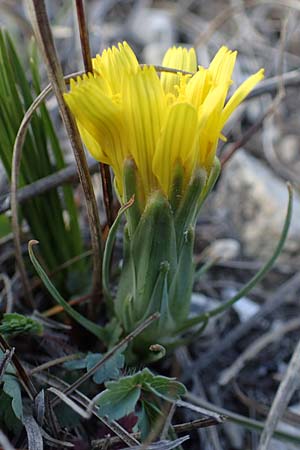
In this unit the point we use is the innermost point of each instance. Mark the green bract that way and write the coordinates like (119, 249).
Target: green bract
(158, 269)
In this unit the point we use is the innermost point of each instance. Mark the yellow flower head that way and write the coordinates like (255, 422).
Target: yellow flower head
(126, 111)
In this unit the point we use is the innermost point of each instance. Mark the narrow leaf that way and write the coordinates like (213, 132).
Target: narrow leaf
(83, 321)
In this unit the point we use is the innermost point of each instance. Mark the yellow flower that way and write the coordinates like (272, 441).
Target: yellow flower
(126, 111)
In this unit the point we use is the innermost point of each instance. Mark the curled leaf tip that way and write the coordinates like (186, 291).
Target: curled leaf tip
(32, 242)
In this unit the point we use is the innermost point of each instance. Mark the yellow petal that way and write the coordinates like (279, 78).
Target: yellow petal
(92, 145)
(100, 118)
(143, 109)
(177, 58)
(210, 124)
(222, 65)
(240, 94)
(177, 143)
(198, 87)
(112, 64)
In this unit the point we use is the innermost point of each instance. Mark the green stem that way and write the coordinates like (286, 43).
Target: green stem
(108, 249)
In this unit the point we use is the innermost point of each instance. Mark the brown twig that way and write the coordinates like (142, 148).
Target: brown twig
(86, 55)
(285, 391)
(45, 39)
(63, 176)
(84, 36)
(178, 429)
(6, 445)
(6, 359)
(23, 376)
(244, 139)
(54, 362)
(58, 309)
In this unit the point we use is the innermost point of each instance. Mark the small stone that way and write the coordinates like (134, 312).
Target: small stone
(222, 250)
(255, 200)
(289, 148)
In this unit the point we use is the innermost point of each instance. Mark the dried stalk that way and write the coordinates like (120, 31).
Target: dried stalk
(6, 445)
(178, 429)
(86, 55)
(44, 37)
(63, 176)
(285, 391)
(84, 36)
(22, 374)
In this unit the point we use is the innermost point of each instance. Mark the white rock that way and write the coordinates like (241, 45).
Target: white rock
(255, 200)
(245, 308)
(288, 148)
(222, 249)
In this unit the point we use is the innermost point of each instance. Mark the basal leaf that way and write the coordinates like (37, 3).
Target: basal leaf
(12, 388)
(119, 399)
(166, 388)
(110, 370)
(7, 416)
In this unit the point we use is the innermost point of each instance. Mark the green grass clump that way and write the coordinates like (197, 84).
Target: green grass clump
(60, 239)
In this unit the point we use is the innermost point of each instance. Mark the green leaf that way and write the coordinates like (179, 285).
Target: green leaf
(131, 189)
(14, 323)
(77, 364)
(110, 370)
(113, 332)
(12, 388)
(148, 416)
(157, 225)
(5, 227)
(181, 285)
(7, 416)
(212, 179)
(92, 327)
(119, 399)
(109, 247)
(166, 388)
(186, 213)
